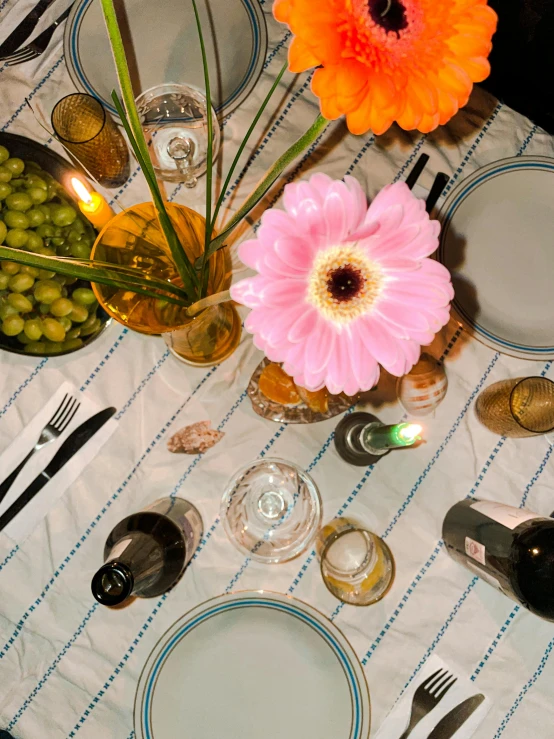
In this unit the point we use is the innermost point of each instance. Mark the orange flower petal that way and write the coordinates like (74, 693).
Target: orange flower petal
(410, 117)
(465, 44)
(330, 109)
(359, 120)
(324, 82)
(301, 57)
(281, 10)
(422, 95)
(455, 80)
(428, 123)
(477, 68)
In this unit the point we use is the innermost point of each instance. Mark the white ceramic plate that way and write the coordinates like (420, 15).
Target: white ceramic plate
(251, 665)
(166, 48)
(497, 242)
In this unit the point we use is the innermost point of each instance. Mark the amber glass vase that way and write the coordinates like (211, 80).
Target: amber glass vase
(134, 239)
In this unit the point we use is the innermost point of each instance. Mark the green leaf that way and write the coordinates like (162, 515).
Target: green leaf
(317, 128)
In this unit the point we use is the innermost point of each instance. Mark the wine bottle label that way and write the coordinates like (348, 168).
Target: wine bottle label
(475, 550)
(504, 514)
(487, 577)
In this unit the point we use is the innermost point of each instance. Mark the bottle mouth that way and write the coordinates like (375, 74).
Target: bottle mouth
(112, 584)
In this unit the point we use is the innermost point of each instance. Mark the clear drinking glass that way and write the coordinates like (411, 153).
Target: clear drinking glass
(356, 565)
(520, 407)
(175, 124)
(271, 510)
(87, 131)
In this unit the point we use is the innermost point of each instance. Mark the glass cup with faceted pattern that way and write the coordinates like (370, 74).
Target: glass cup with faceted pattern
(88, 132)
(356, 565)
(520, 407)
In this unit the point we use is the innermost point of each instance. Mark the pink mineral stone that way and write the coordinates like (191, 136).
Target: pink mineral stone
(195, 439)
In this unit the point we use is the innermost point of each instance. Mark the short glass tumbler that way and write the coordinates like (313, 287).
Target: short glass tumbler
(356, 565)
(175, 124)
(87, 131)
(520, 407)
(271, 510)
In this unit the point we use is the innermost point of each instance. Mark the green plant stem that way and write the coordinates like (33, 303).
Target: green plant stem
(134, 130)
(85, 272)
(317, 127)
(208, 302)
(243, 144)
(209, 154)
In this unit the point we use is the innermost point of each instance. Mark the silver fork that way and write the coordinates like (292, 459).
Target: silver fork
(427, 696)
(36, 47)
(55, 427)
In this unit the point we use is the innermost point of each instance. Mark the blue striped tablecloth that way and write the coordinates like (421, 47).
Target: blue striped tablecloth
(69, 667)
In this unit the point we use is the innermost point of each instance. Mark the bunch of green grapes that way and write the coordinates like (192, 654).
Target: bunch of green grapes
(47, 312)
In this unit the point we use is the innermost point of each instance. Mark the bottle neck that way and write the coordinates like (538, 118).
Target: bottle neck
(113, 583)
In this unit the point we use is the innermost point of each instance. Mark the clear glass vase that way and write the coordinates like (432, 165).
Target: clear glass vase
(135, 239)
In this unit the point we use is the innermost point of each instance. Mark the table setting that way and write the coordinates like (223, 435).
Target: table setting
(277, 403)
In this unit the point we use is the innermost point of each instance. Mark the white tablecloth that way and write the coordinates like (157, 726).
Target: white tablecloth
(68, 666)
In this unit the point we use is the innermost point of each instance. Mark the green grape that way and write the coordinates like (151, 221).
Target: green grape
(36, 217)
(21, 282)
(79, 314)
(4, 279)
(34, 180)
(46, 210)
(14, 165)
(72, 344)
(7, 310)
(46, 291)
(61, 307)
(66, 323)
(44, 309)
(36, 347)
(3, 231)
(63, 250)
(45, 231)
(17, 182)
(5, 174)
(53, 189)
(28, 270)
(79, 226)
(73, 236)
(16, 219)
(60, 278)
(4, 154)
(10, 268)
(13, 325)
(73, 333)
(5, 190)
(45, 274)
(20, 302)
(54, 347)
(58, 241)
(63, 215)
(37, 195)
(46, 252)
(34, 242)
(19, 201)
(23, 338)
(33, 329)
(53, 329)
(70, 280)
(17, 238)
(93, 328)
(80, 250)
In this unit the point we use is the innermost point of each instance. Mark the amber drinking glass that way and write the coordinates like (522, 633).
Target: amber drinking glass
(82, 124)
(356, 565)
(520, 407)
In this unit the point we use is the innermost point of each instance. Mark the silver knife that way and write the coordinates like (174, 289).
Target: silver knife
(449, 724)
(71, 446)
(25, 28)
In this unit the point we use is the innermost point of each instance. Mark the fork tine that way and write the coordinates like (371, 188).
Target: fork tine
(445, 688)
(62, 422)
(432, 679)
(438, 684)
(16, 59)
(58, 410)
(64, 413)
(70, 417)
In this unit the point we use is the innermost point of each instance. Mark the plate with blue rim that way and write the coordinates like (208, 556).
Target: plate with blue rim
(161, 41)
(496, 240)
(252, 664)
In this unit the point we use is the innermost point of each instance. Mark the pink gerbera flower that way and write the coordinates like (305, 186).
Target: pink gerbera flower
(342, 288)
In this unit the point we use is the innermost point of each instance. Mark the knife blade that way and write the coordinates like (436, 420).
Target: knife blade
(77, 439)
(449, 724)
(24, 29)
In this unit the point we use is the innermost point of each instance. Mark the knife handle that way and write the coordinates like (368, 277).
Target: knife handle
(19, 504)
(9, 481)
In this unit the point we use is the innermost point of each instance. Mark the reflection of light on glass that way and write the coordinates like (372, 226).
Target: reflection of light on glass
(535, 550)
(410, 432)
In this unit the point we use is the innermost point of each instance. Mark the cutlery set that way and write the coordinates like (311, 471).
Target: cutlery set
(10, 51)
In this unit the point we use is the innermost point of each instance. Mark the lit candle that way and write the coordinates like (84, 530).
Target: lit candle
(378, 438)
(92, 205)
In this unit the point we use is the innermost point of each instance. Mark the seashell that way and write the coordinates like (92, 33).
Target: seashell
(423, 388)
(195, 439)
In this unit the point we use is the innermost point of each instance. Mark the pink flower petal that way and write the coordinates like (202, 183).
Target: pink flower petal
(378, 342)
(295, 252)
(402, 315)
(250, 253)
(359, 200)
(247, 292)
(336, 216)
(364, 365)
(320, 346)
(281, 292)
(304, 325)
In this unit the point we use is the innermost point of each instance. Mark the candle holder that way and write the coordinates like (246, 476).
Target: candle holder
(362, 439)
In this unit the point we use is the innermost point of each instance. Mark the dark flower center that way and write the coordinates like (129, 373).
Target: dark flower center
(345, 283)
(389, 14)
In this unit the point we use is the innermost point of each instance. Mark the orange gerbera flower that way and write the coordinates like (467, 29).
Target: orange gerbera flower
(410, 61)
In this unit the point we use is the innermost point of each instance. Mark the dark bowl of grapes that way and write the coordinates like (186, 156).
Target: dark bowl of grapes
(43, 313)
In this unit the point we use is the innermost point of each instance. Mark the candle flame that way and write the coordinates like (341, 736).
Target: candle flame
(81, 190)
(410, 432)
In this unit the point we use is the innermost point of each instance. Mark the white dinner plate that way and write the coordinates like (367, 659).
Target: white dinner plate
(166, 49)
(497, 242)
(251, 665)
